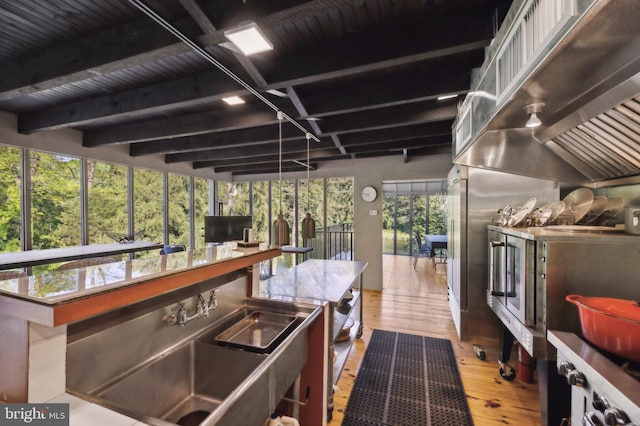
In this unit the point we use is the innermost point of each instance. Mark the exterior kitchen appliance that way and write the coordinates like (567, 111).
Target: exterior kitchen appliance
(532, 270)
(473, 198)
(604, 391)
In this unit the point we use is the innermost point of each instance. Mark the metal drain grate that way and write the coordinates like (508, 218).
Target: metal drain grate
(409, 380)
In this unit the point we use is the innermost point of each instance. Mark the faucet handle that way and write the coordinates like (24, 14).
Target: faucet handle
(182, 315)
(213, 299)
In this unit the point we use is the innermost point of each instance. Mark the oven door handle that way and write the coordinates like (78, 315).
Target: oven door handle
(493, 245)
(511, 272)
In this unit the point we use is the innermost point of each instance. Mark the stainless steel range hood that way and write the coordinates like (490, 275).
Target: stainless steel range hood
(586, 71)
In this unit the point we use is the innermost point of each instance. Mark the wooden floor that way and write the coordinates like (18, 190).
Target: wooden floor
(416, 302)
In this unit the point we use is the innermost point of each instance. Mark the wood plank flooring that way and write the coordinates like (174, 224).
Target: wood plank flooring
(415, 301)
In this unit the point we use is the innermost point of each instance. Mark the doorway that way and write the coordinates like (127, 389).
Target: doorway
(410, 208)
(402, 217)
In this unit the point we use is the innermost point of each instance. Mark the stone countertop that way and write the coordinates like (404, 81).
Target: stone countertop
(27, 258)
(61, 297)
(315, 279)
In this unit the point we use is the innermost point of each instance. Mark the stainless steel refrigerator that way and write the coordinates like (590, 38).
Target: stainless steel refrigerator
(474, 197)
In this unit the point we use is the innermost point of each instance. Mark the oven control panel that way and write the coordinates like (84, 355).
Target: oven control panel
(602, 392)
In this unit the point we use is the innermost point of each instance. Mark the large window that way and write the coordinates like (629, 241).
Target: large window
(178, 226)
(437, 216)
(338, 241)
(200, 209)
(58, 187)
(310, 200)
(10, 179)
(107, 191)
(410, 208)
(234, 198)
(148, 204)
(261, 211)
(55, 207)
(284, 203)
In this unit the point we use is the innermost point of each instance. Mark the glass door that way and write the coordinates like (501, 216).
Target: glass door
(396, 224)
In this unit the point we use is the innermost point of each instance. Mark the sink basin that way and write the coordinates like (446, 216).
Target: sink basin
(194, 378)
(206, 381)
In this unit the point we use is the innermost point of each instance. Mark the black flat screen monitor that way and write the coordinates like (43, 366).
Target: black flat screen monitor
(219, 229)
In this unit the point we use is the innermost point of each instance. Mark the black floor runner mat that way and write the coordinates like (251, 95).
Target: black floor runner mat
(410, 380)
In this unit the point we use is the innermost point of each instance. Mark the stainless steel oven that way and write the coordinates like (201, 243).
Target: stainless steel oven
(512, 277)
(532, 270)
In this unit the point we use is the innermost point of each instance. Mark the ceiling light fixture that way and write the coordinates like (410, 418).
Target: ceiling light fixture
(233, 100)
(249, 38)
(280, 228)
(533, 110)
(308, 224)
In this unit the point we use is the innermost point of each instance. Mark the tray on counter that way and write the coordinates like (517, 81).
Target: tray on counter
(257, 332)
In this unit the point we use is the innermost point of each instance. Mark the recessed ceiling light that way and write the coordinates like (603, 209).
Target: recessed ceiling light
(249, 39)
(233, 100)
(444, 97)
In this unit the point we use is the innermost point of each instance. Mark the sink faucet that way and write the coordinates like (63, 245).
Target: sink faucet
(202, 310)
(182, 315)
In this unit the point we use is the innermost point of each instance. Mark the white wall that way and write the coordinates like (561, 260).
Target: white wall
(368, 228)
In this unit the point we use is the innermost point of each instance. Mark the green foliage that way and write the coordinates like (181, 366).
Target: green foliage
(107, 191)
(200, 209)
(56, 209)
(9, 199)
(339, 201)
(437, 217)
(410, 218)
(54, 200)
(178, 226)
(148, 203)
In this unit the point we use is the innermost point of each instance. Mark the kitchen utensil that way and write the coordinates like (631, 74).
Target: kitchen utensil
(578, 204)
(543, 217)
(344, 332)
(257, 332)
(556, 207)
(503, 215)
(611, 324)
(529, 204)
(613, 207)
(597, 207)
(517, 217)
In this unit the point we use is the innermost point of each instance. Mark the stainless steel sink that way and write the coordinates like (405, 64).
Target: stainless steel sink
(195, 378)
(203, 382)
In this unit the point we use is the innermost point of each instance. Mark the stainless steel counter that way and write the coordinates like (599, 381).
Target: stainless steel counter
(314, 280)
(324, 281)
(575, 233)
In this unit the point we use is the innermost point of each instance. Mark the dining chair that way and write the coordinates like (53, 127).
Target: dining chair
(421, 250)
(173, 248)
